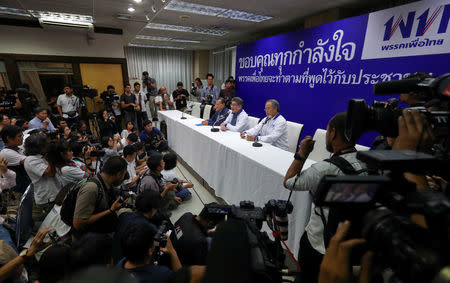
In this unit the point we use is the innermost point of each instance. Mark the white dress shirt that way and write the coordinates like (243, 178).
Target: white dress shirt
(271, 130)
(241, 122)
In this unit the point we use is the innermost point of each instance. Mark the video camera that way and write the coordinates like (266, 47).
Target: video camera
(362, 118)
(109, 98)
(379, 208)
(267, 257)
(85, 91)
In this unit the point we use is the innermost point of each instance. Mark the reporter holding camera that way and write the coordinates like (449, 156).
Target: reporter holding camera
(69, 106)
(111, 147)
(312, 243)
(138, 248)
(153, 138)
(107, 124)
(112, 104)
(129, 154)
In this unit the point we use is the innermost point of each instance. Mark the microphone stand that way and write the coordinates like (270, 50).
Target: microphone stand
(182, 115)
(258, 144)
(216, 129)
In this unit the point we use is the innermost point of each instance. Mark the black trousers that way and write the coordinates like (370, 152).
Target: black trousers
(309, 260)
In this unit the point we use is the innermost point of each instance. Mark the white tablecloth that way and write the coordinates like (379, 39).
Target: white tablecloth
(235, 169)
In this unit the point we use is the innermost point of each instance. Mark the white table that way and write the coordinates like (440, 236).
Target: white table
(235, 169)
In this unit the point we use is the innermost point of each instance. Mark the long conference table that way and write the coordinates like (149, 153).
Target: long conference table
(235, 169)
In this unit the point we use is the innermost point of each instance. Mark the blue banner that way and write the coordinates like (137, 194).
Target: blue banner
(313, 73)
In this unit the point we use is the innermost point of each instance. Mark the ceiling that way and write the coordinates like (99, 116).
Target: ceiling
(284, 13)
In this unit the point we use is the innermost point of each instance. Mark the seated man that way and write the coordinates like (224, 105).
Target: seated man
(153, 138)
(147, 205)
(96, 206)
(138, 247)
(220, 115)
(129, 154)
(153, 180)
(238, 120)
(192, 233)
(272, 129)
(41, 121)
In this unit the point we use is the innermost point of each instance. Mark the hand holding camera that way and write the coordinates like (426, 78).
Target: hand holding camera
(306, 147)
(413, 131)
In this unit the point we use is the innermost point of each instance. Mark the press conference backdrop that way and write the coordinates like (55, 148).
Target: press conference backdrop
(314, 72)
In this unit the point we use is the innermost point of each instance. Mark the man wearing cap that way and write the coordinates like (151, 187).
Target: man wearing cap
(180, 96)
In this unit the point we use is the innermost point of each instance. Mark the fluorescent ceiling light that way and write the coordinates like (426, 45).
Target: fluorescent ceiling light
(131, 9)
(217, 32)
(181, 6)
(160, 38)
(64, 19)
(137, 1)
(154, 46)
(14, 12)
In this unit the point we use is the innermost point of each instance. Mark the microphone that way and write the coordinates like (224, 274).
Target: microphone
(219, 117)
(258, 144)
(182, 115)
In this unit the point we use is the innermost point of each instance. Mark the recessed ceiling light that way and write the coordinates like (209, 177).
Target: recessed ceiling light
(131, 9)
(137, 1)
(160, 38)
(217, 32)
(185, 17)
(181, 6)
(155, 46)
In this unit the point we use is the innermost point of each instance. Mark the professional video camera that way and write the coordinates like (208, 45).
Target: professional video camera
(109, 98)
(7, 101)
(85, 91)
(267, 257)
(362, 118)
(379, 208)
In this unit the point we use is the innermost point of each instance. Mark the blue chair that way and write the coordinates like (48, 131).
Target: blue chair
(24, 220)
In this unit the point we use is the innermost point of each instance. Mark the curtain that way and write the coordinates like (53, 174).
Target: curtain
(167, 66)
(221, 63)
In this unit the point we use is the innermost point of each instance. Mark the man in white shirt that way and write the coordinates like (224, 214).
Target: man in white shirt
(141, 112)
(69, 106)
(272, 129)
(237, 121)
(129, 154)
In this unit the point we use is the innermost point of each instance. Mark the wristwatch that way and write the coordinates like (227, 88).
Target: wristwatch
(24, 255)
(298, 157)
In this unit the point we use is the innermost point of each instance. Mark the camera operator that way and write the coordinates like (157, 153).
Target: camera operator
(27, 99)
(107, 124)
(149, 87)
(95, 211)
(147, 205)
(112, 104)
(196, 90)
(10, 102)
(312, 243)
(138, 248)
(69, 106)
(41, 121)
(210, 93)
(192, 234)
(128, 102)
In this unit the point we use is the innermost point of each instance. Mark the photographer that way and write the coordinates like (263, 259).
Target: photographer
(180, 96)
(10, 102)
(129, 154)
(210, 93)
(69, 106)
(153, 138)
(312, 243)
(107, 124)
(192, 233)
(138, 247)
(27, 99)
(41, 121)
(196, 90)
(228, 93)
(128, 102)
(82, 155)
(112, 104)
(111, 147)
(95, 211)
(149, 87)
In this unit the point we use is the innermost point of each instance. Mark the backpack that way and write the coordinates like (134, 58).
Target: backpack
(70, 200)
(338, 214)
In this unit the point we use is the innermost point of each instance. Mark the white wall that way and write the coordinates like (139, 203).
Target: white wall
(59, 41)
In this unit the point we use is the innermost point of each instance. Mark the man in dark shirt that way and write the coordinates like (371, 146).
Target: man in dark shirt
(147, 204)
(192, 232)
(138, 247)
(128, 103)
(220, 114)
(153, 138)
(180, 96)
(228, 93)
